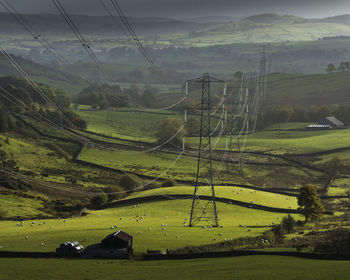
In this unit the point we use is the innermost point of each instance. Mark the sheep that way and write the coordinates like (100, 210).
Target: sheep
(166, 217)
(140, 232)
(220, 234)
(112, 227)
(204, 227)
(149, 229)
(120, 218)
(42, 243)
(26, 237)
(177, 236)
(184, 224)
(214, 239)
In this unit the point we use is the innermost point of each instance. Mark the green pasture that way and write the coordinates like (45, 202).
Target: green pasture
(240, 268)
(289, 125)
(12, 206)
(132, 125)
(162, 164)
(235, 193)
(290, 142)
(94, 227)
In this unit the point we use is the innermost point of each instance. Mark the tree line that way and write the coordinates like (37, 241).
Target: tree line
(102, 96)
(343, 66)
(18, 97)
(283, 114)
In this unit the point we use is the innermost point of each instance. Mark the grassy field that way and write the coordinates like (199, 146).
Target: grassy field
(12, 206)
(94, 227)
(241, 268)
(292, 142)
(236, 193)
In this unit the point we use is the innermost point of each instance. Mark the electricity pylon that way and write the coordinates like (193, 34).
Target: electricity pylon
(204, 210)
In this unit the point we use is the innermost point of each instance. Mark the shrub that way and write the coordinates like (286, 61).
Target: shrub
(288, 223)
(168, 183)
(129, 182)
(99, 200)
(3, 213)
(113, 192)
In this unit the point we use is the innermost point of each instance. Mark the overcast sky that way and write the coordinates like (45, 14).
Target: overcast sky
(194, 8)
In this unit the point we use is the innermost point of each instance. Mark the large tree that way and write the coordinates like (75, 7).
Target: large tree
(310, 205)
(168, 128)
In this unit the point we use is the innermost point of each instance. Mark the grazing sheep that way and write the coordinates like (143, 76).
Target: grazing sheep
(42, 244)
(149, 229)
(214, 239)
(204, 227)
(220, 234)
(26, 237)
(120, 218)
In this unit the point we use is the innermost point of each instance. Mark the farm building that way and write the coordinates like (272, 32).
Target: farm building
(117, 245)
(332, 121)
(327, 123)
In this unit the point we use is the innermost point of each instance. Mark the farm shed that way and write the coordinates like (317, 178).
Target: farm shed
(117, 245)
(332, 121)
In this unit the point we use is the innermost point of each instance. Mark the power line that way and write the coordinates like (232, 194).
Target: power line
(81, 38)
(31, 30)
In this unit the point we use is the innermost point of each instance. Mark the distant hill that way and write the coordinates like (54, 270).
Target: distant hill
(275, 19)
(342, 19)
(212, 19)
(276, 28)
(103, 25)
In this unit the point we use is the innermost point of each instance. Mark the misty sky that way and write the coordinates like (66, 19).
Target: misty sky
(194, 8)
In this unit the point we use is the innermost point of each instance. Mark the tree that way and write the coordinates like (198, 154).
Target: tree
(333, 168)
(168, 128)
(129, 182)
(331, 68)
(310, 205)
(113, 192)
(99, 200)
(288, 223)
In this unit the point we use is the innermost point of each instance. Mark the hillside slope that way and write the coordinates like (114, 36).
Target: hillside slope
(320, 89)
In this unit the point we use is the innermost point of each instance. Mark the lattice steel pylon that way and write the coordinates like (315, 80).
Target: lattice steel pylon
(204, 210)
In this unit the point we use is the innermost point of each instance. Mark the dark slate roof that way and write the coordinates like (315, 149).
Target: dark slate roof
(120, 234)
(335, 121)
